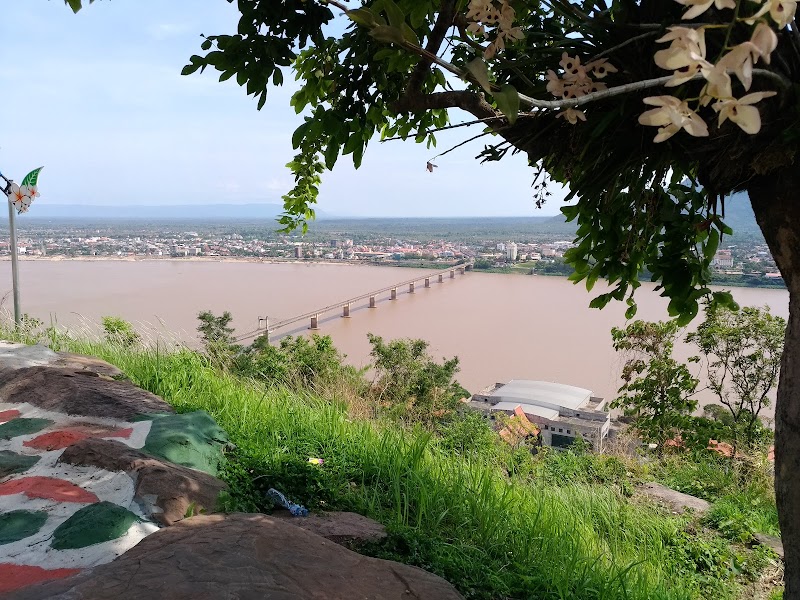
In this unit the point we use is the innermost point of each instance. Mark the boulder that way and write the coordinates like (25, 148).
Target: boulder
(19, 356)
(166, 492)
(78, 392)
(676, 501)
(340, 527)
(78, 362)
(243, 557)
(772, 542)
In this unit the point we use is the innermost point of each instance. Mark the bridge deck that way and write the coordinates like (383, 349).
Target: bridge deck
(338, 305)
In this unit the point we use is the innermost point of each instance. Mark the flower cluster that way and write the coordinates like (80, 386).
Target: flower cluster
(498, 14)
(686, 58)
(577, 81)
(21, 197)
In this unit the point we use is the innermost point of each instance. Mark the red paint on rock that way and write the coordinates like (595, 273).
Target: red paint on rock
(56, 440)
(7, 415)
(48, 488)
(15, 577)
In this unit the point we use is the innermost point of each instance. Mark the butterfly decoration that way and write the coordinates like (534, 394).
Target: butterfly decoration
(22, 195)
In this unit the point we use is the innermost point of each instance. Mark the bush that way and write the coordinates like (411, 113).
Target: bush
(118, 331)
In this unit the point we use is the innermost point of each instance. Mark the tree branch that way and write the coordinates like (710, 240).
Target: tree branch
(471, 102)
(630, 87)
(444, 20)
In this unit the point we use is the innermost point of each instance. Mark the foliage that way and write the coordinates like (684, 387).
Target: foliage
(492, 535)
(120, 331)
(657, 390)
(410, 383)
(743, 352)
(217, 337)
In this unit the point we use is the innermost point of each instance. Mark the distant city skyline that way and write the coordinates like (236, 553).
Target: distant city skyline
(98, 99)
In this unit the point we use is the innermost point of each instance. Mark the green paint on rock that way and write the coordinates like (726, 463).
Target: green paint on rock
(11, 462)
(22, 426)
(93, 524)
(192, 440)
(19, 524)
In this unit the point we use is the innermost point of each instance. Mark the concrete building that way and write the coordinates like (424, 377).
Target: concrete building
(511, 251)
(723, 258)
(562, 412)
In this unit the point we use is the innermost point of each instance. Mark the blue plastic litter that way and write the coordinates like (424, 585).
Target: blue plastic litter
(296, 509)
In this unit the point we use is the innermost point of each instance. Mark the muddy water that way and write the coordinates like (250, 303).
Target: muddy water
(500, 326)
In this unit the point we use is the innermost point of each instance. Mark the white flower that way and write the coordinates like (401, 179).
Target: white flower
(671, 116)
(30, 190)
(572, 115)
(765, 40)
(554, 84)
(718, 86)
(600, 68)
(742, 112)
(688, 46)
(18, 198)
(781, 11)
(698, 7)
(740, 60)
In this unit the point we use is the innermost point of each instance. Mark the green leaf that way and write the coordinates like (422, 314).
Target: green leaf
(507, 100)
(75, 5)
(409, 35)
(32, 178)
(362, 16)
(711, 245)
(387, 34)
(396, 16)
(480, 72)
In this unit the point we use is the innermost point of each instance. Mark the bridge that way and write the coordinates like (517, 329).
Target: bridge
(313, 317)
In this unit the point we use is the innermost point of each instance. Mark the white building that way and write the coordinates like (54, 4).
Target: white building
(562, 412)
(511, 251)
(724, 259)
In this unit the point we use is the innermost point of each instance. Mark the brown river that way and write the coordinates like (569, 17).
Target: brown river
(500, 326)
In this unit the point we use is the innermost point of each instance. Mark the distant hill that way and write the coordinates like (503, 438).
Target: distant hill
(169, 212)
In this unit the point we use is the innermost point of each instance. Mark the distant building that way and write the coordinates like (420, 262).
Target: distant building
(511, 251)
(298, 251)
(723, 259)
(562, 412)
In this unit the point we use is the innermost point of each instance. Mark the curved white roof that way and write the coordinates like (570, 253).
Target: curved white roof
(541, 393)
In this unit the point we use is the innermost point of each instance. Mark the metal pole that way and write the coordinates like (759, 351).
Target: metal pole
(12, 225)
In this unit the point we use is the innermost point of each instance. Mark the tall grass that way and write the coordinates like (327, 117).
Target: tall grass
(491, 535)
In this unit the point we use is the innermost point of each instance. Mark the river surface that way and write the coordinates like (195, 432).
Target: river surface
(500, 326)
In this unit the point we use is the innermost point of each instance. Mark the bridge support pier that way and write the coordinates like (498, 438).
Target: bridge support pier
(441, 278)
(427, 282)
(469, 267)
(453, 274)
(393, 294)
(314, 322)
(410, 288)
(461, 270)
(372, 301)
(346, 311)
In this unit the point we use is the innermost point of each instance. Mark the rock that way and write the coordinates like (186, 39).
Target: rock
(19, 356)
(339, 527)
(77, 362)
(192, 439)
(770, 541)
(166, 492)
(676, 501)
(243, 557)
(78, 393)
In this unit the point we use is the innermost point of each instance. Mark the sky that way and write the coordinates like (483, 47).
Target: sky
(98, 99)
